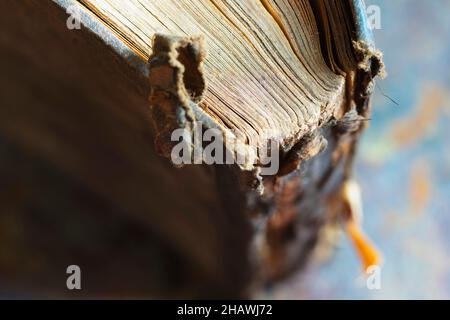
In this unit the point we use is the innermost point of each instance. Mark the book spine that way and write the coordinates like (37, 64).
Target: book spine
(363, 30)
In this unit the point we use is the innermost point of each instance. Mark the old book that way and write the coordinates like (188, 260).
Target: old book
(89, 132)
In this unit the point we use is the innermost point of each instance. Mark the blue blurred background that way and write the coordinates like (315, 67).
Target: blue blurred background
(403, 166)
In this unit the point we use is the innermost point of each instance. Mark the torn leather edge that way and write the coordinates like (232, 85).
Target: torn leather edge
(170, 97)
(177, 85)
(370, 59)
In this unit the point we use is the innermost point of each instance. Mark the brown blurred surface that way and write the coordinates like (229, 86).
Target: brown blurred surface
(80, 184)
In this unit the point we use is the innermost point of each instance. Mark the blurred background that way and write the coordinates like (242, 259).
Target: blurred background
(403, 165)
